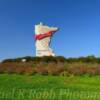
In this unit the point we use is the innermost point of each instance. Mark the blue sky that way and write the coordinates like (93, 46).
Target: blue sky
(78, 20)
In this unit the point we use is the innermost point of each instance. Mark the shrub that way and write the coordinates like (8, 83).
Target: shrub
(41, 70)
(76, 69)
(54, 69)
(93, 70)
(16, 67)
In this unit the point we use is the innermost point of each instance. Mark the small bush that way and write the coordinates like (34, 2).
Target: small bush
(54, 69)
(41, 70)
(76, 69)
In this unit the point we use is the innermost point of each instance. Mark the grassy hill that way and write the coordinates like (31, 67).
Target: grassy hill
(38, 87)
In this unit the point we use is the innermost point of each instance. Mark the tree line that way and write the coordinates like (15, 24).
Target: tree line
(46, 59)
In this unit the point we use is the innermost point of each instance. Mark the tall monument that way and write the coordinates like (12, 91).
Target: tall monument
(43, 35)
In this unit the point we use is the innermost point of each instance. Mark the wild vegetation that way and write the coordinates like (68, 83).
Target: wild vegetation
(50, 78)
(89, 65)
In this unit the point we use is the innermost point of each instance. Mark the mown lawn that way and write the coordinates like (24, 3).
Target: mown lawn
(38, 87)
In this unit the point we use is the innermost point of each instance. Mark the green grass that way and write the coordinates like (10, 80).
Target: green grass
(38, 87)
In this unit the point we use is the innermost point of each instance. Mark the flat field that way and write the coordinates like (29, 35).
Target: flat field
(39, 87)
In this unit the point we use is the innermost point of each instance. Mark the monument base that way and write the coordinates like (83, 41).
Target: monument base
(41, 53)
